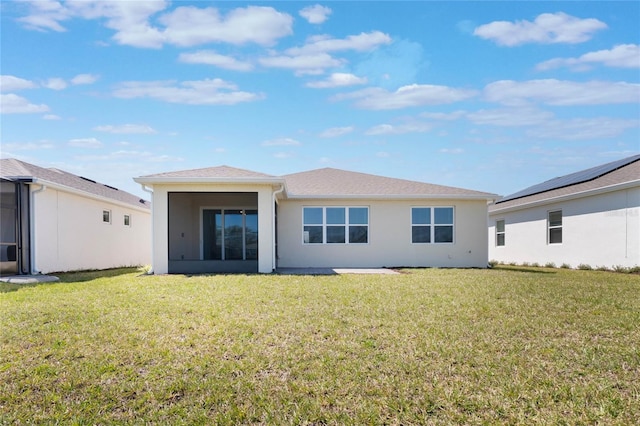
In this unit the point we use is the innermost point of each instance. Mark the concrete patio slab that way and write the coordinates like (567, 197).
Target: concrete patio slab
(335, 271)
(29, 279)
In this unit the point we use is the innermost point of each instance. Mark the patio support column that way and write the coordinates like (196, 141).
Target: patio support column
(265, 231)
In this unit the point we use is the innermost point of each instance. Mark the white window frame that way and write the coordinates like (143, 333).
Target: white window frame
(324, 225)
(554, 227)
(127, 220)
(432, 225)
(108, 216)
(499, 233)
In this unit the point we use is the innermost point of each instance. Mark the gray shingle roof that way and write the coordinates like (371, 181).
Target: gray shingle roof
(329, 182)
(13, 169)
(629, 172)
(224, 172)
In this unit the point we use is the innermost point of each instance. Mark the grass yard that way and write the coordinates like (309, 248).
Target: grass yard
(507, 345)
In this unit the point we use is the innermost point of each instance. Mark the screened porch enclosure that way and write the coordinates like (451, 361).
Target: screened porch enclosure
(213, 232)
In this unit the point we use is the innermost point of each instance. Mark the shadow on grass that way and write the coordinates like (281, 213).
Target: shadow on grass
(83, 276)
(532, 269)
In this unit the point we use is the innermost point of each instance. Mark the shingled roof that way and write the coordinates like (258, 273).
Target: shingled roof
(222, 172)
(329, 182)
(13, 169)
(612, 175)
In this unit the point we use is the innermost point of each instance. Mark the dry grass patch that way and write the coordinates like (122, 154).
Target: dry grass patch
(508, 345)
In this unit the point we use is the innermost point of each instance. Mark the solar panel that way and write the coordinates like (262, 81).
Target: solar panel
(571, 179)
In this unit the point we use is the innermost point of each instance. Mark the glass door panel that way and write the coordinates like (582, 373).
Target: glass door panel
(233, 233)
(212, 234)
(251, 234)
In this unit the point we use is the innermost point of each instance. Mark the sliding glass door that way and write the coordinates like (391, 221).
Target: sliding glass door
(229, 234)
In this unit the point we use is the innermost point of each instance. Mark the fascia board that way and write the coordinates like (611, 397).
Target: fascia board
(568, 197)
(75, 191)
(491, 197)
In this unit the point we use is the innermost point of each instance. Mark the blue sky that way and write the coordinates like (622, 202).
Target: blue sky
(491, 96)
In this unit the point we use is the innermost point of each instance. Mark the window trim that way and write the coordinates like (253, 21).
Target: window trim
(554, 227)
(432, 225)
(503, 233)
(347, 225)
(108, 216)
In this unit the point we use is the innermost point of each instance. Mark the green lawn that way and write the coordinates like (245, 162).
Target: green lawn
(507, 345)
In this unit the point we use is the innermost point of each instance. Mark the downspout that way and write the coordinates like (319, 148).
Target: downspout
(32, 229)
(150, 191)
(273, 227)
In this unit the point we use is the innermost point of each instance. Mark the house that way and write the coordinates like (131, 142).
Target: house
(591, 217)
(55, 221)
(224, 219)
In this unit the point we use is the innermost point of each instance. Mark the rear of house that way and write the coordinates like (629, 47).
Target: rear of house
(224, 219)
(55, 221)
(591, 217)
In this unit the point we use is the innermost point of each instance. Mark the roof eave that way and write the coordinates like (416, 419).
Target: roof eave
(487, 197)
(567, 197)
(208, 180)
(49, 184)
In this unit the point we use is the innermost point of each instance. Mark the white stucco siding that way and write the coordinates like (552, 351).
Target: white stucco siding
(190, 216)
(599, 230)
(389, 236)
(69, 233)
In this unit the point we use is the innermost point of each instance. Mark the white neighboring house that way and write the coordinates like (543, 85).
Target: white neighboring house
(224, 219)
(55, 221)
(591, 217)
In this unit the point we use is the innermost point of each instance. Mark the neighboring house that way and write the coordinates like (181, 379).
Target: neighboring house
(591, 217)
(224, 219)
(55, 221)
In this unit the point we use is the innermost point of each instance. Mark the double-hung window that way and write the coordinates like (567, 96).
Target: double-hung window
(500, 232)
(335, 225)
(554, 227)
(431, 225)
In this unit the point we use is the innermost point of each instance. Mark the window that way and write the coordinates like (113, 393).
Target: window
(106, 216)
(335, 225)
(431, 225)
(500, 232)
(127, 220)
(554, 226)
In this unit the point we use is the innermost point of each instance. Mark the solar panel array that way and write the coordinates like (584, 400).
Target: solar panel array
(571, 179)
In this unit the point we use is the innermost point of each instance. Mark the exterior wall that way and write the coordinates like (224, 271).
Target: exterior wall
(389, 237)
(70, 234)
(160, 250)
(599, 230)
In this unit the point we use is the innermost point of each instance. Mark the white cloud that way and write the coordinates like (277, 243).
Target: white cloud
(510, 117)
(407, 96)
(451, 150)
(562, 93)
(55, 84)
(334, 132)
(582, 128)
(9, 83)
(389, 129)
(620, 56)
(337, 79)
(304, 64)
(201, 92)
(281, 142)
(126, 129)
(443, 116)
(209, 57)
(27, 146)
(184, 26)
(361, 42)
(547, 28)
(14, 104)
(85, 143)
(189, 26)
(51, 117)
(283, 155)
(84, 79)
(315, 14)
